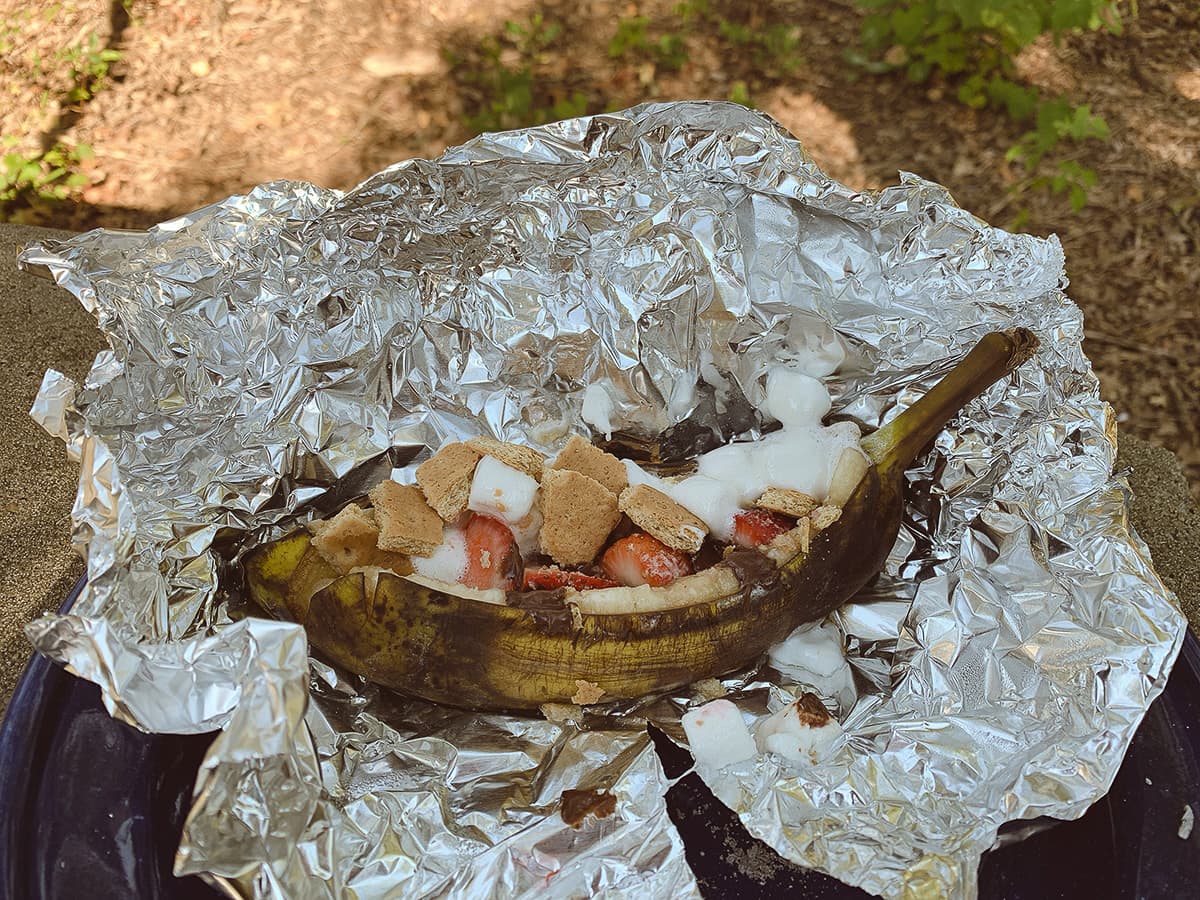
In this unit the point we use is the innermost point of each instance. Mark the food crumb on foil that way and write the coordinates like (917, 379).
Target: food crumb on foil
(636, 272)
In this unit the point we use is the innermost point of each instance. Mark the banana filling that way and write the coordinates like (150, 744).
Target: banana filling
(486, 519)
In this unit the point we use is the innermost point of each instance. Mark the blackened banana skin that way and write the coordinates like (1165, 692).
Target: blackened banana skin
(466, 653)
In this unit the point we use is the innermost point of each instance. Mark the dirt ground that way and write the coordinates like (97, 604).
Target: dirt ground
(210, 99)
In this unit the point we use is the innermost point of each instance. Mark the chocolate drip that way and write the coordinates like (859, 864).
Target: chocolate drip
(549, 609)
(577, 805)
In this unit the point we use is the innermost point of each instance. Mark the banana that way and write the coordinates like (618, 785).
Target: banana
(468, 650)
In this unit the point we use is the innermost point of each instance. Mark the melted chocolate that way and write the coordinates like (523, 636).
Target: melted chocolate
(577, 805)
(710, 553)
(754, 570)
(548, 609)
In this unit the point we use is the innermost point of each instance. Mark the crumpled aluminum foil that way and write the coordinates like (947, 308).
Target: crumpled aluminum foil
(278, 351)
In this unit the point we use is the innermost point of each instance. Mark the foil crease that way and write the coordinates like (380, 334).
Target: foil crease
(274, 352)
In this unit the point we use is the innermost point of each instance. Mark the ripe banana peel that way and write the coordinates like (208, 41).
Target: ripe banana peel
(538, 648)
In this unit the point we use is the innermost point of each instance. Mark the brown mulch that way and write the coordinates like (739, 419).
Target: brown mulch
(214, 98)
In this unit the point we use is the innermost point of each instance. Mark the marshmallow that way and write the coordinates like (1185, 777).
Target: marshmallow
(814, 656)
(449, 560)
(717, 735)
(501, 491)
(802, 731)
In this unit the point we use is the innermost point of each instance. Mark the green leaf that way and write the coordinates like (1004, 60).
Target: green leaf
(1069, 15)
(1019, 102)
(918, 70)
(909, 24)
(630, 35)
(1079, 197)
(971, 92)
(739, 93)
(876, 32)
(671, 52)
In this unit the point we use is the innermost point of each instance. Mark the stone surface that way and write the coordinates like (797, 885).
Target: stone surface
(41, 327)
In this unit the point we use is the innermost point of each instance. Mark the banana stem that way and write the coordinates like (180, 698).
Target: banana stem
(899, 442)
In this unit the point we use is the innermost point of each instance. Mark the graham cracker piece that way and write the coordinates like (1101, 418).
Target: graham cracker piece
(580, 455)
(824, 516)
(406, 522)
(445, 479)
(523, 459)
(578, 513)
(790, 543)
(663, 518)
(587, 692)
(350, 539)
(786, 501)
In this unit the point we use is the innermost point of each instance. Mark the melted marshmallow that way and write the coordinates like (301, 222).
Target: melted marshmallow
(717, 735)
(814, 655)
(449, 560)
(598, 409)
(801, 456)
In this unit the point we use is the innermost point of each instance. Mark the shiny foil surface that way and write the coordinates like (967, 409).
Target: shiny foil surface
(277, 352)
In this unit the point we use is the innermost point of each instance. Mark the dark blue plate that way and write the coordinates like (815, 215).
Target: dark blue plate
(93, 808)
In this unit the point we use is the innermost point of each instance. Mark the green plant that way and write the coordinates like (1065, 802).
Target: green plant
(508, 78)
(747, 36)
(773, 47)
(37, 167)
(975, 43)
(739, 93)
(90, 65)
(50, 175)
(667, 51)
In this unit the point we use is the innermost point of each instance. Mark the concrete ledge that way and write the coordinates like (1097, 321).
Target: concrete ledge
(41, 327)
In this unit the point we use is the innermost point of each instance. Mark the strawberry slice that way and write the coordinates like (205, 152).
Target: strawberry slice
(493, 560)
(755, 527)
(641, 559)
(551, 578)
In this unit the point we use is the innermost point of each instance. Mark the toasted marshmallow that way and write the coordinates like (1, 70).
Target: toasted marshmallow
(802, 731)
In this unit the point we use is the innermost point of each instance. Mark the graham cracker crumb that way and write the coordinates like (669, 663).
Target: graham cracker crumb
(350, 539)
(445, 479)
(790, 543)
(523, 459)
(824, 516)
(588, 692)
(562, 713)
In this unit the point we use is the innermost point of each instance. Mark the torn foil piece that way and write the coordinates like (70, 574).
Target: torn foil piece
(276, 352)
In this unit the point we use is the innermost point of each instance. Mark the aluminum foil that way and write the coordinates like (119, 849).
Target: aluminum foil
(279, 350)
